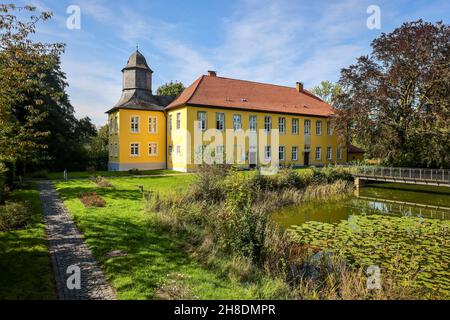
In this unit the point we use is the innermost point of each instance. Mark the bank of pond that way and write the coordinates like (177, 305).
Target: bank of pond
(403, 229)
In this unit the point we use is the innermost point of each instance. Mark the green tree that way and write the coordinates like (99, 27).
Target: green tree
(396, 101)
(327, 91)
(98, 148)
(23, 65)
(172, 88)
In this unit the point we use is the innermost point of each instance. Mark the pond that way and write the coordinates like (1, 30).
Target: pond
(404, 229)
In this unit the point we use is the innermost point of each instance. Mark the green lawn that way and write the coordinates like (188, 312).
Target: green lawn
(25, 266)
(156, 266)
(85, 174)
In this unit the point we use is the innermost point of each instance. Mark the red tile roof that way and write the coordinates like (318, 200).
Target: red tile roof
(213, 91)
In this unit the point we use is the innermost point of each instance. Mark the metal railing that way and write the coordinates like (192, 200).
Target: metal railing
(413, 174)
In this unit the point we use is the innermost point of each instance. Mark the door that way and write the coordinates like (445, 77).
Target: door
(252, 156)
(306, 158)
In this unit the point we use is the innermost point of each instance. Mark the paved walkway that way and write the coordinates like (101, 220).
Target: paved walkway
(67, 248)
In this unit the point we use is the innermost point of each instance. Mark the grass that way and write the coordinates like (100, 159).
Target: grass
(157, 264)
(26, 271)
(85, 174)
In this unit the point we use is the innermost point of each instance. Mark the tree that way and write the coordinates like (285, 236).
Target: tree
(37, 122)
(327, 91)
(22, 72)
(395, 102)
(170, 89)
(98, 149)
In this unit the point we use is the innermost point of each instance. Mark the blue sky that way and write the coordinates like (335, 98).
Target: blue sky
(278, 42)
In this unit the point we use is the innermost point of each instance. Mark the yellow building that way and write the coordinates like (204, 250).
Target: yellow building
(234, 121)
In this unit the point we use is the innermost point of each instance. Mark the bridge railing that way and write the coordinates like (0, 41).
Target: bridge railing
(435, 175)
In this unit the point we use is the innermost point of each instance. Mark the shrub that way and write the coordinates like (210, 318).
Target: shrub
(91, 199)
(40, 174)
(101, 182)
(134, 171)
(14, 215)
(2, 187)
(208, 183)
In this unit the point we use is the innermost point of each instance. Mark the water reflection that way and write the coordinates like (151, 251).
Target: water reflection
(382, 199)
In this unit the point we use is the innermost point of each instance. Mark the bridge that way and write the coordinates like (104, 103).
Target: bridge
(433, 177)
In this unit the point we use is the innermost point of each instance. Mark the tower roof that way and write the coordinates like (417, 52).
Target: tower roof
(137, 60)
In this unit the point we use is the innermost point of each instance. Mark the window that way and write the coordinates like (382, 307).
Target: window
(318, 153)
(170, 122)
(110, 149)
(152, 149)
(281, 153)
(116, 124)
(282, 125)
(294, 126)
(152, 124)
(237, 122)
(201, 118)
(178, 120)
(220, 121)
(116, 150)
(111, 128)
(307, 127)
(339, 153)
(294, 153)
(134, 121)
(267, 152)
(178, 150)
(329, 129)
(318, 127)
(134, 149)
(267, 123)
(170, 150)
(219, 151)
(252, 121)
(329, 153)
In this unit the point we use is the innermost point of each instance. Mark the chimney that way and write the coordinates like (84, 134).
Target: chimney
(212, 73)
(299, 86)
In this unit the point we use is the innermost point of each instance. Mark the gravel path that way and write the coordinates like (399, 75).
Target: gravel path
(67, 248)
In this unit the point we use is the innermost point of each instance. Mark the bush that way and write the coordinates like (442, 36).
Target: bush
(101, 182)
(14, 215)
(2, 187)
(208, 183)
(40, 174)
(134, 171)
(91, 169)
(91, 199)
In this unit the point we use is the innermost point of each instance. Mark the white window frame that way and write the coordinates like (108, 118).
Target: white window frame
(133, 123)
(170, 122)
(318, 127)
(329, 153)
(111, 125)
(267, 123)
(152, 124)
(178, 120)
(116, 124)
(133, 145)
(267, 152)
(296, 126)
(237, 122)
(111, 149)
(116, 149)
(339, 153)
(329, 129)
(281, 151)
(318, 153)
(178, 149)
(307, 127)
(282, 125)
(220, 121)
(170, 150)
(253, 123)
(294, 153)
(202, 117)
(149, 149)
